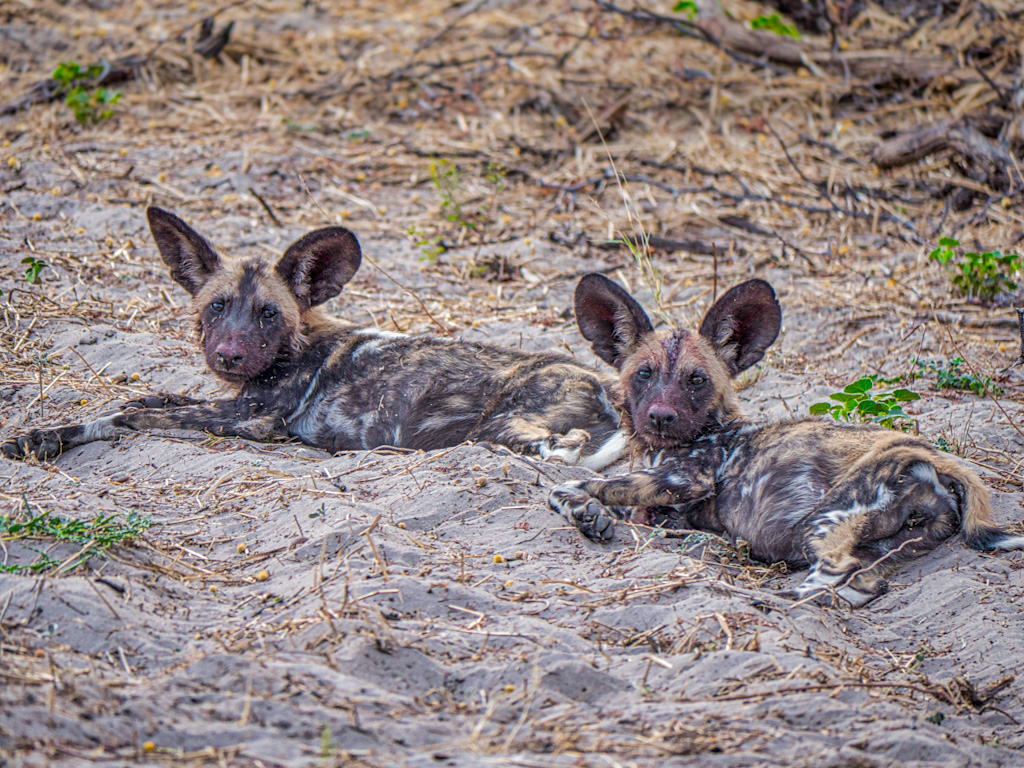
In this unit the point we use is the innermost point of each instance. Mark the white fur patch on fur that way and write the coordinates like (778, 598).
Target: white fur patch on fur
(926, 474)
(608, 453)
(1010, 542)
(101, 429)
(380, 334)
(306, 397)
(882, 499)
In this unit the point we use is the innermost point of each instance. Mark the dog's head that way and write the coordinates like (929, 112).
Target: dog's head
(677, 385)
(252, 312)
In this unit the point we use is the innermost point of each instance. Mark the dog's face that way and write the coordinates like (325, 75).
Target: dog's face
(677, 385)
(249, 313)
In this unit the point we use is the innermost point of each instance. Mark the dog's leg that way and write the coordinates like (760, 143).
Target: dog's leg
(238, 418)
(836, 533)
(856, 588)
(162, 400)
(893, 507)
(594, 505)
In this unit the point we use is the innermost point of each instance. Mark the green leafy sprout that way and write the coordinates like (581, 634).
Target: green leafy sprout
(35, 266)
(949, 375)
(94, 536)
(688, 7)
(857, 402)
(431, 246)
(774, 24)
(89, 106)
(980, 276)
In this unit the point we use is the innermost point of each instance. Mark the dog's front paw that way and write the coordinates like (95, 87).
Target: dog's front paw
(41, 443)
(161, 400)
(594, 520)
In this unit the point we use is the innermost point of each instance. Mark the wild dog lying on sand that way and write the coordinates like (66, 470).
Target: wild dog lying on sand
(301, 373)
(850, 502)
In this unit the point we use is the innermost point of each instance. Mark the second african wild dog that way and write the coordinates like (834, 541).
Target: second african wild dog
(301, 373)
(851, 502)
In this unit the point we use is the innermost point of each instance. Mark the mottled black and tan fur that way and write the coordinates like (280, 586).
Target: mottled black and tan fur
(849, 502)
(300, 373)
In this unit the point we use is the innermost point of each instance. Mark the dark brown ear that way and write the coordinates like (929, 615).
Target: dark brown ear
(609, 318)
(317, 265)
(184, 250)
(743, 324)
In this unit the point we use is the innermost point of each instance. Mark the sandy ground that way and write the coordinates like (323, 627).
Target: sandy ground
(290, 608)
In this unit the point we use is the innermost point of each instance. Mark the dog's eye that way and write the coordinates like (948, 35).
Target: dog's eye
(643, 374)
(217, 306)
(697, 380)
(269, 313)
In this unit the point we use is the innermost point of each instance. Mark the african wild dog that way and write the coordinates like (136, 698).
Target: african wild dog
(851, 502)
(301, 373)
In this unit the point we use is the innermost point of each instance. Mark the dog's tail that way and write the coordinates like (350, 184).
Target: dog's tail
(979, 531)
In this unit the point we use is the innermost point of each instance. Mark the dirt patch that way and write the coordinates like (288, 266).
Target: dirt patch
(287, 607)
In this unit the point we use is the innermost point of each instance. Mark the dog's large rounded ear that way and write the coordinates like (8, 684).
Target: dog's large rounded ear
(743, 324)
(609, 318)
(317, 266)
(184, 250)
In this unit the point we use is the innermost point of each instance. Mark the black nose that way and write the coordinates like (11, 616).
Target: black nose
(661, 419)
(229, 361)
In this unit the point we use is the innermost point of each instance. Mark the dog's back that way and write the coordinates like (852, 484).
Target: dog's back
(380, 388)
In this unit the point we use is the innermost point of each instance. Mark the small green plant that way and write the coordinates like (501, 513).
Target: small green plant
(89, 106)
(774, 24)
(326, 750)
(688, 7)
(494, 175)
(949, 375)
(35, 266)
(455, 207)
(979, 276)
(857, 402)
(94, 536)
(445, 175)
(431, 247)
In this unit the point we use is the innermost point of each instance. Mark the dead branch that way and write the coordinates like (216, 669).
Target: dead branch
(984, 161)
(764, 49)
